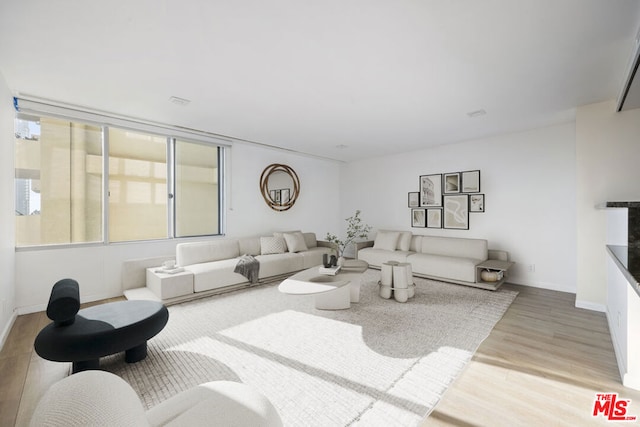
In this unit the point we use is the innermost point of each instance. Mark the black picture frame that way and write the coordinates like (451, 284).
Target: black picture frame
(455, 211)
(470, 181)
(476, 203)
(451, 183)
(434, 218)
(431, 190)
(413, 199)
(418, 218)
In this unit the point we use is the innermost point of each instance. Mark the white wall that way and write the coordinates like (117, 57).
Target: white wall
(541, 187)
(528, 179)
(7, 242)
(608, 153)
(98, 268)
(315, 210)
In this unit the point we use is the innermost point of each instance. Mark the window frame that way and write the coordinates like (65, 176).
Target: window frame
(171, 186)
(172, 134)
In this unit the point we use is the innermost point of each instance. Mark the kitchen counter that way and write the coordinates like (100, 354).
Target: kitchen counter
(623, 289)
(628, 261)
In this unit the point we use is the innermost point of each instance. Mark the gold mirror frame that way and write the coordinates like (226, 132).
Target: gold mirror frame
(264, 186)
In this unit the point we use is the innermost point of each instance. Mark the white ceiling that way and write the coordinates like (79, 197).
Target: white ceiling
(377, 76)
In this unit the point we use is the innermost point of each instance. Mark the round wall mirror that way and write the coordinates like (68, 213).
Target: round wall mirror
(280, 186)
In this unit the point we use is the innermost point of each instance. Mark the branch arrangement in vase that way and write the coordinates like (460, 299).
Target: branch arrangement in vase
(356, 229)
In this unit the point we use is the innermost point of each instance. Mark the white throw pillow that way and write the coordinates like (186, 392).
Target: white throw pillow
(310, 240)
(295, 242)
(404, 241)
(281, 235)
(386, 240)
(271, 245)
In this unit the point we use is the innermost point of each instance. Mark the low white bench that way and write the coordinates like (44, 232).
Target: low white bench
(167, 286)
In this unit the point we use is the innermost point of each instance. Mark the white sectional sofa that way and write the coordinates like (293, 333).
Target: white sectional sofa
(449, 259)
(208, 266)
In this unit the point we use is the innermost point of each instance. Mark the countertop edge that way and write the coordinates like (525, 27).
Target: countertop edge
(618, 205)
(612, 249)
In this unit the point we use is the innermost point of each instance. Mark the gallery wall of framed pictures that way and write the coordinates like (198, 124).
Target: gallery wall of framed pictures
(444, 200)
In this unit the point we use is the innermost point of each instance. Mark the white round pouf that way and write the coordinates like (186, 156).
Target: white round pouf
(386, 279)
(400, 282)
(411, 286)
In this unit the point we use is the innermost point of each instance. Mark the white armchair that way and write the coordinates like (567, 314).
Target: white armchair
(98, 398)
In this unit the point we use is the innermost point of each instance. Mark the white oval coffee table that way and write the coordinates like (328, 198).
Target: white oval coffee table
(331, 292)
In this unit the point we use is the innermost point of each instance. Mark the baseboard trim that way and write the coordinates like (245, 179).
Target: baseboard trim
(43, 307)
(541, 285)
(7, 329)
(31, 309)
(588, 305)
(631, 381)
(620, 358)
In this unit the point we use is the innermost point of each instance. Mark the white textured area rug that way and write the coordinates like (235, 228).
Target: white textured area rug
(379, 363)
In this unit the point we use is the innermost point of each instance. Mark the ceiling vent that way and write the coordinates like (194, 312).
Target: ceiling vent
(179, 101)
(630, 95)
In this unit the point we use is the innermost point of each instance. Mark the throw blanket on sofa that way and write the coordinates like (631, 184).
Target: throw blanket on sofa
(249, 267)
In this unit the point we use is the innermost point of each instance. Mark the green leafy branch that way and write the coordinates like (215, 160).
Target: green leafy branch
(356, 229)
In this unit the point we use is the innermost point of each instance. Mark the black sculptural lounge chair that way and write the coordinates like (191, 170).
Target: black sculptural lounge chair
(83, 336)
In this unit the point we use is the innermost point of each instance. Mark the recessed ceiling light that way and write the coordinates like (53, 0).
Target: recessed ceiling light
(476, 113)
(179, 101)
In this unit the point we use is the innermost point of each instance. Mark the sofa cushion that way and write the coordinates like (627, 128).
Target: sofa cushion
(386, 240)
(404, 239)
(311, 240)
(272, 245)
(90, 397)
(229, 403)
(444, 267)
(281, 235)
(416, 243)
(199, 252)
(214, 275)
(249, 246)
(278, 264)
(295, 242)
(377, 257)
(455, 247)
(313, 256)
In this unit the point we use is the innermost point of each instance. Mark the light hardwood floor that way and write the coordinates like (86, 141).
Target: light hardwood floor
(24, 376)
(541, 366)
